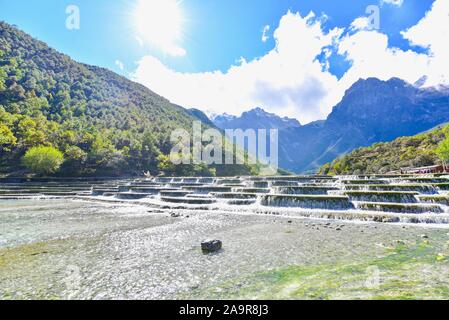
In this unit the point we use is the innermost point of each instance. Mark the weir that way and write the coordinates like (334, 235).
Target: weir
(307, 201)
(378, 198)
(383, 196)
(304, 190)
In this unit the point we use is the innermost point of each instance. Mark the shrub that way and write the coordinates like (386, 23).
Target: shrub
(443, 151)
(43, 160)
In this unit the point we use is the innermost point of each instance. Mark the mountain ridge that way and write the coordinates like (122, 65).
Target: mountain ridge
(370, 111)
(256, 118)
(104, 123)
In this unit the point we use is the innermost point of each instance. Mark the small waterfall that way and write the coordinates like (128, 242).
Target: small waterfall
(378, 198)
(382, 196)
(261, 184)
(252, 190)
(399, 207)
(307, 202)
(304, 190)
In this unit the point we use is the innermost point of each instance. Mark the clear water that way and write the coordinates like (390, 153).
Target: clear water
(101, 247)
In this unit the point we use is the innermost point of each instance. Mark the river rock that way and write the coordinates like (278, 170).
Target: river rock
(211, 245)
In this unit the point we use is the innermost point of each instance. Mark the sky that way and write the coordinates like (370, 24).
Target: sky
(292, 57)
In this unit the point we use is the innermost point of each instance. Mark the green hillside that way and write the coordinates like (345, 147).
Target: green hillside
(103, 123)
(404, 152)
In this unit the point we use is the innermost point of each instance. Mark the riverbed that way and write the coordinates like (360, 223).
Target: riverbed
(73, 249)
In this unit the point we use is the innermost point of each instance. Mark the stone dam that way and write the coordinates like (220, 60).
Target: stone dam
(373, 198)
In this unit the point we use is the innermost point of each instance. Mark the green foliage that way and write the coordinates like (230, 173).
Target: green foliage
(418, 151)
(105, 124)
(443, 150)
(43, 160)
(7, 138)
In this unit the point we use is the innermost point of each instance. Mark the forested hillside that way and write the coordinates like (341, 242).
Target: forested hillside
(425, 149)
(104, 124)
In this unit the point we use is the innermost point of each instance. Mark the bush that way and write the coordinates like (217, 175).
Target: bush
(442, 150)
(43, 160)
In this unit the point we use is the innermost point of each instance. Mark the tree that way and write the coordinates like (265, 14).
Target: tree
(442, 151)
(3, 77)
(7, 138)
(43, 160)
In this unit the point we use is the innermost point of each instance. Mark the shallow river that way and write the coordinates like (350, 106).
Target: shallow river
(67, 249)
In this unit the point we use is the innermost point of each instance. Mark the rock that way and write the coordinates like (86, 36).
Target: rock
(211, 245)
(175, 215)
(424, 236)
(289, 221)
(338, 229)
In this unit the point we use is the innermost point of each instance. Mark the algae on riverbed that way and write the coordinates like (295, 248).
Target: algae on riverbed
(407, 271)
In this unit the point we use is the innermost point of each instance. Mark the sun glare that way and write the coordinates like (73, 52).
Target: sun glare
(160, 23)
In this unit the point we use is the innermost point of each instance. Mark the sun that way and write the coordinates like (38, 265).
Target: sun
(160, 23)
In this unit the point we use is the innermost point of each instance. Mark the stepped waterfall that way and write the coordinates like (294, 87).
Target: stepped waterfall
(377, 198)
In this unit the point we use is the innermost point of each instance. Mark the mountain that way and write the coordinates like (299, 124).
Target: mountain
(200, 116)
(371, 111)
(383, 157)
(104, 123)
(254, 119)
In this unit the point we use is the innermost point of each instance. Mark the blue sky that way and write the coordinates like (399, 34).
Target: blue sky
(214, 36)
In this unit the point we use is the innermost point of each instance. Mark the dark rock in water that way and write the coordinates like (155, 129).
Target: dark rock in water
(211, 245)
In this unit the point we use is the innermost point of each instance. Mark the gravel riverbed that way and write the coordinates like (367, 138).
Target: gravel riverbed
(63, 249)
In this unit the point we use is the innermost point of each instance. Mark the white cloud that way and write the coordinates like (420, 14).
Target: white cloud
(432, 33)
(393, 2)
(361, 23)
(265, 35)
(120, 64)
(371, 57)
(289, 80)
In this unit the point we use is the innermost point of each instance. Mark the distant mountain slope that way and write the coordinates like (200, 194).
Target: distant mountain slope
(254, 119)
(403, 152)
(201, 116)
(371, 111)
(103, 122)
